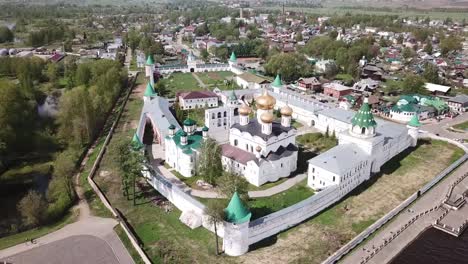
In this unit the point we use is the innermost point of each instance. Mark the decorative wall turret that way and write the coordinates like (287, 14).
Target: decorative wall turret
(286, 113)
(149, 92)
(236, 227)
(277, 84)
(363, 123)
(232, 60)
(413, 129)
(149, 69)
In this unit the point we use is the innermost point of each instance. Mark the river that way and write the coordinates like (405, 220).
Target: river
(435, 247)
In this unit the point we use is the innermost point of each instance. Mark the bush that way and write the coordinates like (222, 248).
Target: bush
(32, 207)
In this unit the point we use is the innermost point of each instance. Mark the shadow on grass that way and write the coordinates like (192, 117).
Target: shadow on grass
(391, 166)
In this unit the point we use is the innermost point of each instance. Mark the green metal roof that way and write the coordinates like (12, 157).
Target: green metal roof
(193, 141)
(172, 126)
(364, 117)
(136, 142)
(150, 60)
(404, 108)
(236, 212)
(149, 90)
(189, 122)
(233, 57)
(205, 128)
(414, 122)
(233, 96)
(277, 82)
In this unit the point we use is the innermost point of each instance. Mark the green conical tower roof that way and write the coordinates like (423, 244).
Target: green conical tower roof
(364, 117)
(277, 82)
(414, 122)
(136, 142)
(149, 90)
(233, 57)
(236, 212)
(150, 60)
(233, 96)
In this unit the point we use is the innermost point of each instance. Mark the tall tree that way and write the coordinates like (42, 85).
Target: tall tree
(209, 165)
(230, 183)
(32, 207)
(215, 212)
(431, 73)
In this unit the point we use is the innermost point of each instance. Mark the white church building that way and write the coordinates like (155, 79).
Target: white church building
(262, 150)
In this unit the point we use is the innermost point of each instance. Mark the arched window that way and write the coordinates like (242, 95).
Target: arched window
(333, 178)
(225, 113)
(213, 116)
(235, 142)
(363, 130)
(219, 115)
(236, 111)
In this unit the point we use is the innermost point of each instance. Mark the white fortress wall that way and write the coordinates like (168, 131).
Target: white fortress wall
(276, 222)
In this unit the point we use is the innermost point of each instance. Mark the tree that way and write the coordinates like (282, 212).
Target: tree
(428, 46)
(209, 165)
(204, 55)
(83, 74)
(52, 72)
(431, 73)
(414, 84)
(407, 53)
(6, 35)
(449, 44)
(230, 182)
(291, 66)
(32, 207)
(215, 211)
(160, 88)
(299, 36)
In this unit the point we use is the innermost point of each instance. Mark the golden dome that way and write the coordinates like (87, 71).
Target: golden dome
(286, 110)
(267, 117)
(244, 110)
(258, 148)
(265, 101)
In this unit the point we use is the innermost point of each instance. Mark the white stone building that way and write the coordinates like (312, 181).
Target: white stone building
(364, 146)
(197, 99)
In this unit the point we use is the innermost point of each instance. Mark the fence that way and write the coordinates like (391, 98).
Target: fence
(101, 195)
(371, 229)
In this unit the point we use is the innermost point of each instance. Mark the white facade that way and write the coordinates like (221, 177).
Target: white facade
(194, 103)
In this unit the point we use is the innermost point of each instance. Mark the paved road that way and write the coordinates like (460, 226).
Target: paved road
(442, 126)
(430, 199)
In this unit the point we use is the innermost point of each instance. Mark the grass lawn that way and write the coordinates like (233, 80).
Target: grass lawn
(296, 124)
(216, 79)
(462, 126)
(19, 238)
(128, 244)
(317, 142)
(314, 240)
(267, 205)
(178, 82)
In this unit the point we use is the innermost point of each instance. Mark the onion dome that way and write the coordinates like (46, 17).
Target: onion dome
(245, 110)
(364, 117)
(286, 110)
(414, 122)
(150, 60)
(265, 101)
(233, 57)
(267, 117)
(258, 148)
(183, 134)
(172, 127)
(236, 212)
(205, 129)
(189, 122)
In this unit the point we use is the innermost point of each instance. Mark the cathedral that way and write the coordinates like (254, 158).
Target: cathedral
(261, 149)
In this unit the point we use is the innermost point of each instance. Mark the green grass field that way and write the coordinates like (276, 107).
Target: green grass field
(462, 126)
(178, 82)
(217, 79)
